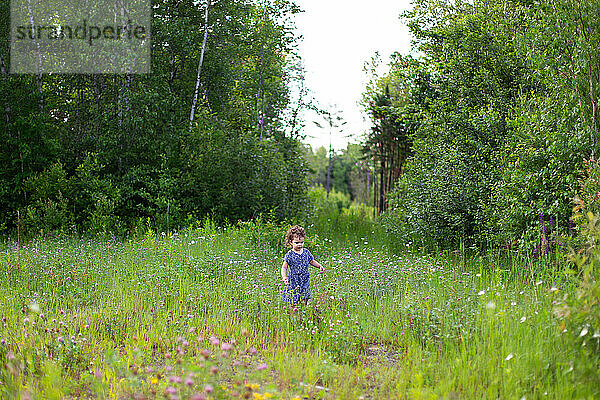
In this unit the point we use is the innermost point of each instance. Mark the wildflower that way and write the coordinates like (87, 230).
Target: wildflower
(214, 341)
(481, 293)
(226, 346)
(170, 390)
(244, 331)
(261, 367)
(208, 388)
(189, 381)
(509, 357)
(205, 354)
(523, 318)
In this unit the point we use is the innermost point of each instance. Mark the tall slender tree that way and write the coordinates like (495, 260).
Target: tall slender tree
(200, 61)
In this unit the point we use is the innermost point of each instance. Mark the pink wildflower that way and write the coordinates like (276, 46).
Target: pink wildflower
(226, 346)
(170, 390)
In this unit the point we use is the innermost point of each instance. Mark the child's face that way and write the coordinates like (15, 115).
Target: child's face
(297, 243)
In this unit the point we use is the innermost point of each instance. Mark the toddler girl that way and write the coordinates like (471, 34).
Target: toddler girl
(297, 282)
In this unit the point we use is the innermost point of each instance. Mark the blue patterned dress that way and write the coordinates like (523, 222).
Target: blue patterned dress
(298, 286)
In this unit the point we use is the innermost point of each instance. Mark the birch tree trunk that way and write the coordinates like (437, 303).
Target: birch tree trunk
(38, 75)
(195, 100)
(261, 90)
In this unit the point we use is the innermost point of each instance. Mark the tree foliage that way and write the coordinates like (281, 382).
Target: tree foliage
(505, 120)
(113, 151)
(351, 173)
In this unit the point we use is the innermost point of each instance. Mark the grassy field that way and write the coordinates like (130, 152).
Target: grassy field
(198, 315)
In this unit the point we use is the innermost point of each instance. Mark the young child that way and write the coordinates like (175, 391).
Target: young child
(297, 282)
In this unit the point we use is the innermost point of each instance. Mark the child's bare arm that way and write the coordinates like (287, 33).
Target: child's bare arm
(314, 263)
(284, 268)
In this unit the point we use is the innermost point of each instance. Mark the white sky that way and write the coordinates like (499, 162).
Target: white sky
(339, 37)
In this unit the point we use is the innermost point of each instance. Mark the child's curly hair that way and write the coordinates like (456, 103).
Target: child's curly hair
(294, 231)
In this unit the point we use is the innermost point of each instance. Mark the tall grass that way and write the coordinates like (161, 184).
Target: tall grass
(90, 318)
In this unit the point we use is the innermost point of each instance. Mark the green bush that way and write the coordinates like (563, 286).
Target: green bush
(439, 198)
(49, 208)
(540, 163)
(264, 232)
(59, 202)
(580, 313)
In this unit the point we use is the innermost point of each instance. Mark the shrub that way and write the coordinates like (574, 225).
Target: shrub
(580, 313)
(49, 208)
